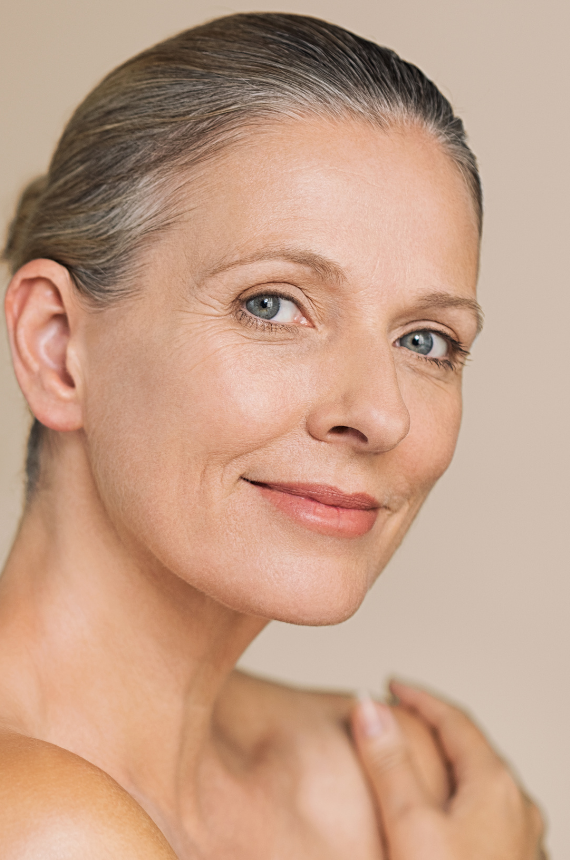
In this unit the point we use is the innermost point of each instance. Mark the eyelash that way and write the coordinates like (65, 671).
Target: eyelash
(266, 325)
(459, 355)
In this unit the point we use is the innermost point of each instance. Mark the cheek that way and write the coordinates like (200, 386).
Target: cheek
(237, 403)
(412, 468)
(435, 419)
(166, 431)
(172, 424)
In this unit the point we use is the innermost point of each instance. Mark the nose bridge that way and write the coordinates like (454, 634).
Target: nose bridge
(360, 401)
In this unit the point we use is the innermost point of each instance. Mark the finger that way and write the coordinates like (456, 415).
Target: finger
(463, 743)
(382, 748)
(537, 825)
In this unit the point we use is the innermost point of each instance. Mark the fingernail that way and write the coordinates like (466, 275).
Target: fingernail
(368, 714)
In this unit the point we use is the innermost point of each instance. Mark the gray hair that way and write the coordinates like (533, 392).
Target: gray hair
(109, 188)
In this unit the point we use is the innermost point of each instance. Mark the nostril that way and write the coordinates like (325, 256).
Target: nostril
(341, 430)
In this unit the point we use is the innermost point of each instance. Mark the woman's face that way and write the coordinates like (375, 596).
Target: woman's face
(268, 414)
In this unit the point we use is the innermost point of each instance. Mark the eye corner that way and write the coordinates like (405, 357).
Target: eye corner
(433, 347)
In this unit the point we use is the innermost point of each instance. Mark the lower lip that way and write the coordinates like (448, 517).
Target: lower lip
(325, 519)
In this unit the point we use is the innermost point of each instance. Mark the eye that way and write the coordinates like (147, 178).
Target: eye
(426, 343)
(275, 308)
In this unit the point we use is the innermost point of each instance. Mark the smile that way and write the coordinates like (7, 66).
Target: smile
(321, 508)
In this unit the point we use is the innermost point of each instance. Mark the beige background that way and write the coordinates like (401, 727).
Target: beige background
(476, 601)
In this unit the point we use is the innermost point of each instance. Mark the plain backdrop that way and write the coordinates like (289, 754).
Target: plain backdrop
(475, 603)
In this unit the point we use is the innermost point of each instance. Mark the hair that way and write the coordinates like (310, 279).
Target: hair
(110, 187)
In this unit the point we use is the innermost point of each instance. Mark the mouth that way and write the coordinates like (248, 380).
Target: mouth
(321, 508)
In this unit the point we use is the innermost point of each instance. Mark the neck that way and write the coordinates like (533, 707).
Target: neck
(115, 659)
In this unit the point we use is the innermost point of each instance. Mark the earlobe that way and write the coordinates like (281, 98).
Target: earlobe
(41, 315)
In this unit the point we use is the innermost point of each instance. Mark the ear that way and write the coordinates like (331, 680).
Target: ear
(42, 315)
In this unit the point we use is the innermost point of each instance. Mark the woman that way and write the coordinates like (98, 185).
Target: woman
(241, 302)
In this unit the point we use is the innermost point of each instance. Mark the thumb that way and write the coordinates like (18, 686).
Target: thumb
(383, 751)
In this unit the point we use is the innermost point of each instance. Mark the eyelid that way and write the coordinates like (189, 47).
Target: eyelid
(279, 293)
(424, 325)
(453, 339)
(268, 290)
(458, 354)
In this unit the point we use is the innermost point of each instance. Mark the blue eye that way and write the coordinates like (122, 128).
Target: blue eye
(425, 342)
(272, 307)
(265, 307)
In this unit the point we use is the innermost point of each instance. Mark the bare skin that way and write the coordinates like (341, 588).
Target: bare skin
(487, 814)
(297, 789)
(150, 558)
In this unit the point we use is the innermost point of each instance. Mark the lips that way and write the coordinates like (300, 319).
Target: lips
(326, 510)
(325, 495)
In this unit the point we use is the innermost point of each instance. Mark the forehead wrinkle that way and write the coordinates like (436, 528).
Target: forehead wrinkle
(327, 270)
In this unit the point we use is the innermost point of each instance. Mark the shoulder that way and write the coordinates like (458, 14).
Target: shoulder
(57, 804)
(304, 736)
(317, 722)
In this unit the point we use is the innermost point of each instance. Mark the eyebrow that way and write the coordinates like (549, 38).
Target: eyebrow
(445, 300)
(327, 270)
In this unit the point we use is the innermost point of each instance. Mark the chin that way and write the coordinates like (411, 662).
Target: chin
(313, 593)
(315, 611)
(318, 614)
(324, 604)
(263, 566)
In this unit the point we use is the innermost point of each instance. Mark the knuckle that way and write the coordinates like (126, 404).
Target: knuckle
(383, 760)
(404, 813)
(504, 786)
(507, 795)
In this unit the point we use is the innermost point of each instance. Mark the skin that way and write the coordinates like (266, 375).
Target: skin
(148, 561)
(487, 814)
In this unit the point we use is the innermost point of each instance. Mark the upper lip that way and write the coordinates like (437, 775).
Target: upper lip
(324, 494)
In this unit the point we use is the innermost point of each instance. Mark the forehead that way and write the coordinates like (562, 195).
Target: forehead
(383, 206)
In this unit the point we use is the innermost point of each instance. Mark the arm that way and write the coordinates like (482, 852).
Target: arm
(488, 817)
(56, 806)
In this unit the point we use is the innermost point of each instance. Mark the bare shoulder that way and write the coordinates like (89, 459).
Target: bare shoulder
(320, 722)
(54, 804)
(308, 738)
(424, 747)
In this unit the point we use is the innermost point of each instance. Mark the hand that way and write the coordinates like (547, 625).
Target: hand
(488, 817)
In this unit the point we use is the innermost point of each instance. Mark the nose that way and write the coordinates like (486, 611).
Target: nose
(358, 399)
